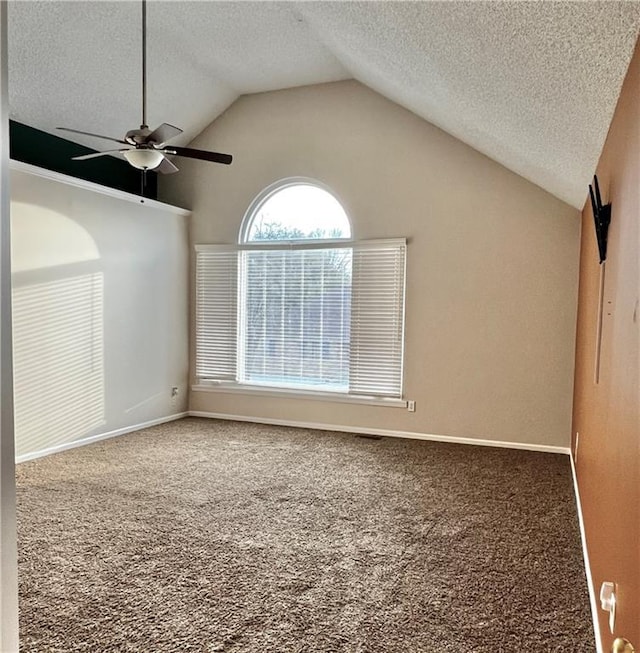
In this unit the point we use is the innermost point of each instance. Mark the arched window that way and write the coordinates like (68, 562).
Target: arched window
(298, 304)
(295, 209)
(295, 304)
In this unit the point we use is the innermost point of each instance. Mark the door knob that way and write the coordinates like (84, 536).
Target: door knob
(622, 645)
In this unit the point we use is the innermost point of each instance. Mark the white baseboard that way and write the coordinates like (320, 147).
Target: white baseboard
(95, 438)
(386, 432)
(587, 566)
(306, 425)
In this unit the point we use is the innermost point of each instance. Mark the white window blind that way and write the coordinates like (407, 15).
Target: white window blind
(216, 312)
(297, 317)
(377, 319)
(306, 316)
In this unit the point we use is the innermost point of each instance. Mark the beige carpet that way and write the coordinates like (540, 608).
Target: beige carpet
(204, 535)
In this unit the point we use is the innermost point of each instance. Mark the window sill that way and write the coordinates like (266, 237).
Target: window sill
(287, 393)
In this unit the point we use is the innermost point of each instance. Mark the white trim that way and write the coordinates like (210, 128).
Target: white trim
(286, 393)
(412, 435)
(587, 565)
(315, 243)
(20, 166)
(96, 438)
(288, 245)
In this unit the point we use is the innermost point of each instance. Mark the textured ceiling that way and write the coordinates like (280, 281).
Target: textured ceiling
(531, 84)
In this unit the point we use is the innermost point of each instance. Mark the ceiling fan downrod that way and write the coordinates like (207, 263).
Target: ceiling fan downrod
(144, 65)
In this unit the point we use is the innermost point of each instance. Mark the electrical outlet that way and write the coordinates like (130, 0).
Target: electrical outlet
(411, 406)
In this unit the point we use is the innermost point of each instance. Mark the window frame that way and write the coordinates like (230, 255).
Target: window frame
(234, 386)
(203, 384)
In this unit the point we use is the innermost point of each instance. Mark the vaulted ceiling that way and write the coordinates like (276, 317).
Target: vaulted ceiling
(532, 85)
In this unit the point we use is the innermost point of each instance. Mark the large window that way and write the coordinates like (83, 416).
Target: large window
(300, 305)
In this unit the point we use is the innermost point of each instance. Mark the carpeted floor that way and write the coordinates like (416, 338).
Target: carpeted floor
(205, 536)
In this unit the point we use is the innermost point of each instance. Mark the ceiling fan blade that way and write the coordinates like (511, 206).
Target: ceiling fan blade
(163, 133)
(106, 138)
(95, 155)
(166, 167)
(216, 157)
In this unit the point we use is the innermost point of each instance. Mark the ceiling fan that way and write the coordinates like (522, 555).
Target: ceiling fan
(145, 149)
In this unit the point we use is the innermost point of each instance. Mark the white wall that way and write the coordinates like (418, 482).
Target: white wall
(100, 306)
(492, 258)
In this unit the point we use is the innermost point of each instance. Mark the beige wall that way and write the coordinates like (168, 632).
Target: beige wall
(492, 258)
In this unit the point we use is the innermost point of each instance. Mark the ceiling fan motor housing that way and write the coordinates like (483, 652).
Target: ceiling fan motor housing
(138, 136)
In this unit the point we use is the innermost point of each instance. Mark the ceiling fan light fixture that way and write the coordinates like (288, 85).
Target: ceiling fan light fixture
(147, 147)
(144, 159)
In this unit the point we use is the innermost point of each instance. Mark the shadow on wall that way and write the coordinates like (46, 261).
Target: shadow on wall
(58, 329)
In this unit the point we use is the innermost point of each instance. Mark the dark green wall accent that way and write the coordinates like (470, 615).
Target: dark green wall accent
(44, 150)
